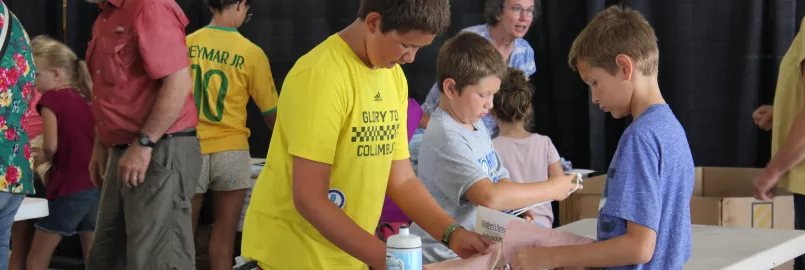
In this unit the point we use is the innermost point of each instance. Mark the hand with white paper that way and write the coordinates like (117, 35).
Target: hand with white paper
(564, 185)
(558, 185)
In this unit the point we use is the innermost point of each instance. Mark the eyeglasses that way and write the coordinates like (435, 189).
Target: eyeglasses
(532, 11)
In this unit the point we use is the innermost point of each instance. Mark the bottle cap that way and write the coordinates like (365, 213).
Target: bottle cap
(404, 239)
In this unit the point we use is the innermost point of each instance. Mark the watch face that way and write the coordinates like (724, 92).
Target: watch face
(144, 140)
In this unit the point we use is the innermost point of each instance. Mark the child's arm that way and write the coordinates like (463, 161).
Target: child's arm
(463, 177)
(262, 87)
(270, 119)
(506, 195)
(416, 202)
(311, 181)
(633, 248)
(49, 134)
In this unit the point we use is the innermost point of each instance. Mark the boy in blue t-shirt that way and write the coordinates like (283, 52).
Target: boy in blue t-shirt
(644, 213)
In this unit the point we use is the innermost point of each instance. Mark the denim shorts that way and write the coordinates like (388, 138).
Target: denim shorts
(71, 214)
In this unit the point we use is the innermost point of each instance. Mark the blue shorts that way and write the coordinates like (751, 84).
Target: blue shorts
(71, 214)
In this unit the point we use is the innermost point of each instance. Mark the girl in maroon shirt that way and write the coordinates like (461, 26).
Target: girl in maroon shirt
(68, 137)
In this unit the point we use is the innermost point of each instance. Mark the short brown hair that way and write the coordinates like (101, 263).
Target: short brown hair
(615, 31)
(429, 16)
(467, 58)
(513, 101)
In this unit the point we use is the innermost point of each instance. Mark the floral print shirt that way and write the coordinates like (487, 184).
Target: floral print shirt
(16, 89)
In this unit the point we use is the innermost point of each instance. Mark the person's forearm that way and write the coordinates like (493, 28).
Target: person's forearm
(792, 152)
(170, 100)
(619, 251)
(416, 202)
(271, 120)
(340, 230)
(507, 195)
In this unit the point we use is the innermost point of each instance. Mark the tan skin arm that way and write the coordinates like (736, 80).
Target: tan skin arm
(311, 182)
(635, 247)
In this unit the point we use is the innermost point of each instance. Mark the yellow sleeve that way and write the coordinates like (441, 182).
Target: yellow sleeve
(401, 144)
(314, 109)
(261, 86)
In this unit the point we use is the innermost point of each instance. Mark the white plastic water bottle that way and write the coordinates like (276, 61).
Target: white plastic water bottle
(404, 251)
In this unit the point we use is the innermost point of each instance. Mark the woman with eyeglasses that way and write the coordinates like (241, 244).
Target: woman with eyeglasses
(507, 22)
(227, 70)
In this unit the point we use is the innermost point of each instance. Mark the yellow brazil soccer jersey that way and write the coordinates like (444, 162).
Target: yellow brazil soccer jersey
(334, 110)
(227, 69)
(788, 102)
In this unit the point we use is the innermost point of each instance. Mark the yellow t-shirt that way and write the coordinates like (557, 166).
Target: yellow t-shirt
(335, 110)
(788, 101)
(226, 69)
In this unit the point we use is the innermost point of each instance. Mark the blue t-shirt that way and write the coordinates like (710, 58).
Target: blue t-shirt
(650, 182)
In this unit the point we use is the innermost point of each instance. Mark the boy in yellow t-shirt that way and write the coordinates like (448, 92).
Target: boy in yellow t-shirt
(227, 69)
(340, 145)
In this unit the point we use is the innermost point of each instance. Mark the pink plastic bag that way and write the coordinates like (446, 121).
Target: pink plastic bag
(483, 262)
(520, 235)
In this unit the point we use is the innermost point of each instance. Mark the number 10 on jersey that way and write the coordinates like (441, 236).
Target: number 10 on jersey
(201, 92)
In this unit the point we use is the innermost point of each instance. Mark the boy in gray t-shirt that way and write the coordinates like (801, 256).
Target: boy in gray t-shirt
(457, 157)
(457, 162)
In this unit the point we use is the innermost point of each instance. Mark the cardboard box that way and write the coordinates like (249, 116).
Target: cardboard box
(721, 196)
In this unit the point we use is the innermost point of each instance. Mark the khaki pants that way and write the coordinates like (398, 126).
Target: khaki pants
(149, 226)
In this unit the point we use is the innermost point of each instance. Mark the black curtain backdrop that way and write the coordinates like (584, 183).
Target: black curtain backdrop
(718, 62)
(39, 16)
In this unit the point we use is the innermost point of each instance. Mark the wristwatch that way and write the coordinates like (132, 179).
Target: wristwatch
(146, 141)
(449, 232)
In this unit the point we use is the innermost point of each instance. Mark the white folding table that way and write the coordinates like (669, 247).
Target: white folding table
(717, 247)
(32, 208)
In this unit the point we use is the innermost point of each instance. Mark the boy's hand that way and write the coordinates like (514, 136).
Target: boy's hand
(467, 244)
(532, 259)
(763, 117)
(563, 185)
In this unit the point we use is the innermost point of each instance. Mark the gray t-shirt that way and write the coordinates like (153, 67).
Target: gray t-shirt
(451, 159)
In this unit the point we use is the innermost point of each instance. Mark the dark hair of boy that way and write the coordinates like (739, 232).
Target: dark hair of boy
(222, 4)
(428, 16)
